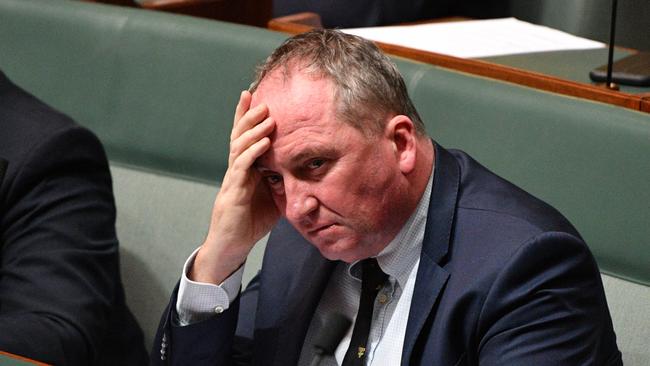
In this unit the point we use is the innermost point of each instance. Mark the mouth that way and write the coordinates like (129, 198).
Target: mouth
(320, 229)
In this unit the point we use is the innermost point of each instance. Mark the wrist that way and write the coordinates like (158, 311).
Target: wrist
(214, 268)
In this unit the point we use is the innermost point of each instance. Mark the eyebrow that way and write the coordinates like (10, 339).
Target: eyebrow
(301, 156)
(310, 153)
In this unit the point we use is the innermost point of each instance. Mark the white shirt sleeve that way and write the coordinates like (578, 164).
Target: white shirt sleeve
(199, 301)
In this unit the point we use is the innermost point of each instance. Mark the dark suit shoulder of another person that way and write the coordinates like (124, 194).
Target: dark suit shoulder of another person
(61, 298)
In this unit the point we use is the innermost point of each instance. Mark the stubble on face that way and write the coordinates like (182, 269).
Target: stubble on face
(357, 192)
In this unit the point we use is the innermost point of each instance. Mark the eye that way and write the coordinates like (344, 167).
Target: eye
(275, 183)
(273, 180)
(315, 163)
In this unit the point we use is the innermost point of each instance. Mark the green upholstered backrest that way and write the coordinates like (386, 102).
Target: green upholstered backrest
(160, 221)
(160, 89)
(587, 159)
(629, 304)
(126, 73)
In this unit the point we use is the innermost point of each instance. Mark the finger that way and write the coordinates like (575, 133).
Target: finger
(243, 105)
(249, 137)
(248, 120)
(241, 166)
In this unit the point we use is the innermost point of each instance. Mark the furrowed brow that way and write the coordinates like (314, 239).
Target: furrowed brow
(300, 157)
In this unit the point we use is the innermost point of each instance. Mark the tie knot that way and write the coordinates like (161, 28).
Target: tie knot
(372, 277)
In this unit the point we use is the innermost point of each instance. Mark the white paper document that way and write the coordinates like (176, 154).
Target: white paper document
(477, 38)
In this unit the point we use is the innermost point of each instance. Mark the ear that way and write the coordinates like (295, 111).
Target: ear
(401, 133)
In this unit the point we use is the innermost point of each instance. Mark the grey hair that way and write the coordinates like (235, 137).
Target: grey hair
(368, 86)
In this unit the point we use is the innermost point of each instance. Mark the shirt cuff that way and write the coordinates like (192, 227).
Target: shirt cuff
(198, 301)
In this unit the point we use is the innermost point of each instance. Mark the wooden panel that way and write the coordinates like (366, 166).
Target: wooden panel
(517, 76)
(129, 3)
(250, 12)
(645, 102)
(309, 19)
(496, 71)
(10, 359)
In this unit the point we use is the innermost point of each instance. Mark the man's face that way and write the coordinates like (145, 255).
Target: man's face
(339, 188)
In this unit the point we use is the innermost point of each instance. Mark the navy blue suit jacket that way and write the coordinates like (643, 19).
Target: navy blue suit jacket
(61, 299)
(503, 279)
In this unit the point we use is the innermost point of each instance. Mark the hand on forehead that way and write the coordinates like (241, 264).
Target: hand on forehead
(294, 99)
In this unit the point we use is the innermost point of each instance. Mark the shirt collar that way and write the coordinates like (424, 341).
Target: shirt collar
(401, 254)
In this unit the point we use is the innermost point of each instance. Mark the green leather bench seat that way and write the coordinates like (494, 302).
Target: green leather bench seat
(160, 90)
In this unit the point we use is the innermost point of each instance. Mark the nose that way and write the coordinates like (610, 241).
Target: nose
(300, 202)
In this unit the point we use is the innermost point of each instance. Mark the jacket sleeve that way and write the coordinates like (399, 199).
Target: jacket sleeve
(59, 260)
(224, 339)
(547, 307)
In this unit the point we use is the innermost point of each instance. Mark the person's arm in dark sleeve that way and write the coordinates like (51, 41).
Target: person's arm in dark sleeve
(59, 259)
(222, 339)
(244, 211)
(547, 307)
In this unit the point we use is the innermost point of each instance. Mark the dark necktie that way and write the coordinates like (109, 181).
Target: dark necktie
(372, 279)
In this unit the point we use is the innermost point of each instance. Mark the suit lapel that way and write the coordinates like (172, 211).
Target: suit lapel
(285, 312)
(431, 277)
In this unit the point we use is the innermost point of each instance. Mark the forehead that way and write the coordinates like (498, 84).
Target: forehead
(302, 106)
(294, 95)
(296, 100)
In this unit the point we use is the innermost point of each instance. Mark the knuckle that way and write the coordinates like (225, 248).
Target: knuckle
(235, 148)
(238, 164)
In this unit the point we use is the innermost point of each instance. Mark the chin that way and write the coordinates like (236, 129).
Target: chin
(340, 251)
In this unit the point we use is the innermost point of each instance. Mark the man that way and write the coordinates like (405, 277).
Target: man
(329, 153)
(61, 297)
